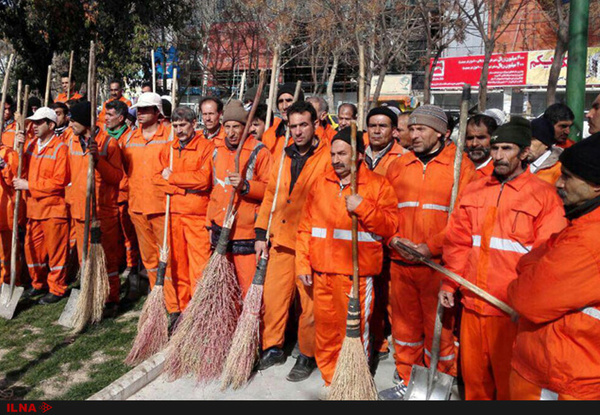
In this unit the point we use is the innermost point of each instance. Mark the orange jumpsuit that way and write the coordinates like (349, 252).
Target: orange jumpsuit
(280, 280)
(7, 199)
(102, 115)
(424, 193)
(274, 137)
(47, 237)
(324, 249)
(108, 174)
(549, 170)
(189, 185)
(255, 167)
(484, 170)
(8, 134)
(62, 97)
(218, 136)
(326, 133)
(557, 296)
(147, 201)
(494, 225)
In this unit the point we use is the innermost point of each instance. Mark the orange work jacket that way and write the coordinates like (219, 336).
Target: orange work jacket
(274, 137)
(424, 193)
(62, 97)
(326, 133)
(190, 182)
(549, 170)
(7, 191)
(47, 171)
(141, 162)
(485, 170)
(255, 167)
(102, 115)
(385, 158)
(108, 175)
(288, 207)
(8, 134)
(124, 185)
(557, 295)
(494, 225)
(216, 137)
(324, 240)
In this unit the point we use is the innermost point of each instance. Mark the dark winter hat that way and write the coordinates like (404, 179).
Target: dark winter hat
(516, 131)
(583, 159)
(542, 130)
(345, 135)
(387, 111)
(431, 116)
(82, 113)
(289, 88)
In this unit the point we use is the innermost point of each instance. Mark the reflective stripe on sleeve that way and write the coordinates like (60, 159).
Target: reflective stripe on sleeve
(408, 204)
(319, 232)
(592, 312)
(408, 344)
(432, 206)
(346, 235)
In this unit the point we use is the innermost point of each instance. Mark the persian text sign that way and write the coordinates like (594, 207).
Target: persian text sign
(540, 61)
(508, 69)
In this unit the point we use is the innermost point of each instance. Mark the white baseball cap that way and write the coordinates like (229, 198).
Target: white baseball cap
(149, 99)
(43, 113)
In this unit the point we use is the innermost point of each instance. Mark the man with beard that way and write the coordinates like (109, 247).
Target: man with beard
(499, 219)
(477, 143)
(561, 117)
(593, 117)
(557, 294)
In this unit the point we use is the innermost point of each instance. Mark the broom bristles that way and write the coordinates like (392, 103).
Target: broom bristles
(352, 380)
(203, 336)
(83, 309)
(244, 346)
(153, 328)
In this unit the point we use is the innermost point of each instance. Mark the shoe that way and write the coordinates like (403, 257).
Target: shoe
(173, 319)
(394, 394)
(33, 292)
(383, 355)
(270, 357)
(133, 278)
(396, 378)
(110, 310)
(302, 369)
(50, 299)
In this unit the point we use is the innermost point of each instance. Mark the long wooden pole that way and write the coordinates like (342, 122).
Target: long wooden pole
(168, 202)
(70, 76)
(361, 86)
(4, 92)
(460, 144)
(353, 158)
(153, 70)
(272, 86)
(90, 172)
(48, 82)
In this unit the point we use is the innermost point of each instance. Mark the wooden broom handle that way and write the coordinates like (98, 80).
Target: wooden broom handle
(70, 76)
(353, 189)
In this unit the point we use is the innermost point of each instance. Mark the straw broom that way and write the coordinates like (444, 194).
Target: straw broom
(153, 325)
(244, 346)
(94, 278)
(352, 379)
(205, 331)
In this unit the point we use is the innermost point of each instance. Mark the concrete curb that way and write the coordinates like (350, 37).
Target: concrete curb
(132, 381)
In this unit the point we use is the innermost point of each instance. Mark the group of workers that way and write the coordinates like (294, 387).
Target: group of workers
(522, 227)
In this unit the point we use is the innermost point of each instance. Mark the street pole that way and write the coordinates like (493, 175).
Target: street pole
(577, 63)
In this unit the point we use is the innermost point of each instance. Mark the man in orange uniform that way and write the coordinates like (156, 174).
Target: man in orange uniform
(324, 246)
(480, 128)
(188, 183)
(593, 117)
(306, 159)
(107, 175)
(561, 117)
(47, 238)
(423, 181)
(499, 219)
(346, 114)
(557, 294)
(116, 94)
(379, 154)
(141, 149)
(274, 137)
(249, 185)
(64, 82)
(257, 128)
(9, 161)
(324, 130)
(402, 133)
(543, 156)
(116, 127)
(10, 124)
(211, 109)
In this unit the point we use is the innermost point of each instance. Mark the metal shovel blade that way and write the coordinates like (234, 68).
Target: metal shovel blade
(66, 317)
(8, 302)
(418, 385)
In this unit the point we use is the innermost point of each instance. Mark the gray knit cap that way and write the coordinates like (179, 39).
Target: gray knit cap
(431, 116)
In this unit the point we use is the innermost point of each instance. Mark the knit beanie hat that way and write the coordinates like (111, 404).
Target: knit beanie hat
(345, 135)
(583, 159)
(387, 111)
(82, 113)
(543, 130)
(289, 88)
(431, 116)
(234, 111)
(516, 131)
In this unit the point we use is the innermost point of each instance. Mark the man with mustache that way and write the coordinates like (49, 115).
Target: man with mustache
(477, 143)
(557, 294)
(188, 183)
(498, 220)
(593, 116)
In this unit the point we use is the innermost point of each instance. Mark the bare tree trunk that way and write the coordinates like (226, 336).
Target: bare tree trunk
(382, 72)
(368, 77)
(562, 41)
(483, 80)
(332, 74)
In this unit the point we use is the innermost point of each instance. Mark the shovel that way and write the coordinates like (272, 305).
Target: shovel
(428, 384)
